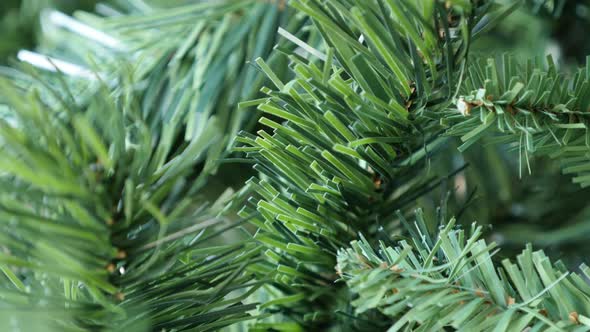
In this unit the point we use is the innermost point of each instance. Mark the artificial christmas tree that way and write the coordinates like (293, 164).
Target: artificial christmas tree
(385, 128)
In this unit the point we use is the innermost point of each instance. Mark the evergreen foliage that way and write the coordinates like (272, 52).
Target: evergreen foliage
(93, 159)
(352, 149)
(450, 280)
(118, 210)
(90, 173)
(538, 108)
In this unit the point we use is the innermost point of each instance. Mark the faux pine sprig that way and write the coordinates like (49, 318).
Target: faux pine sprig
(451, 280)
(532, 105)
(430, 283)
(350, 139)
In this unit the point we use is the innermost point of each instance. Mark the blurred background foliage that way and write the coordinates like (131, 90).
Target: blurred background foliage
(19, 21)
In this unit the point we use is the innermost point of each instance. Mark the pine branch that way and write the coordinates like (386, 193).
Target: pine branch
(354, 140)
(451, 280)
(533, 106)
